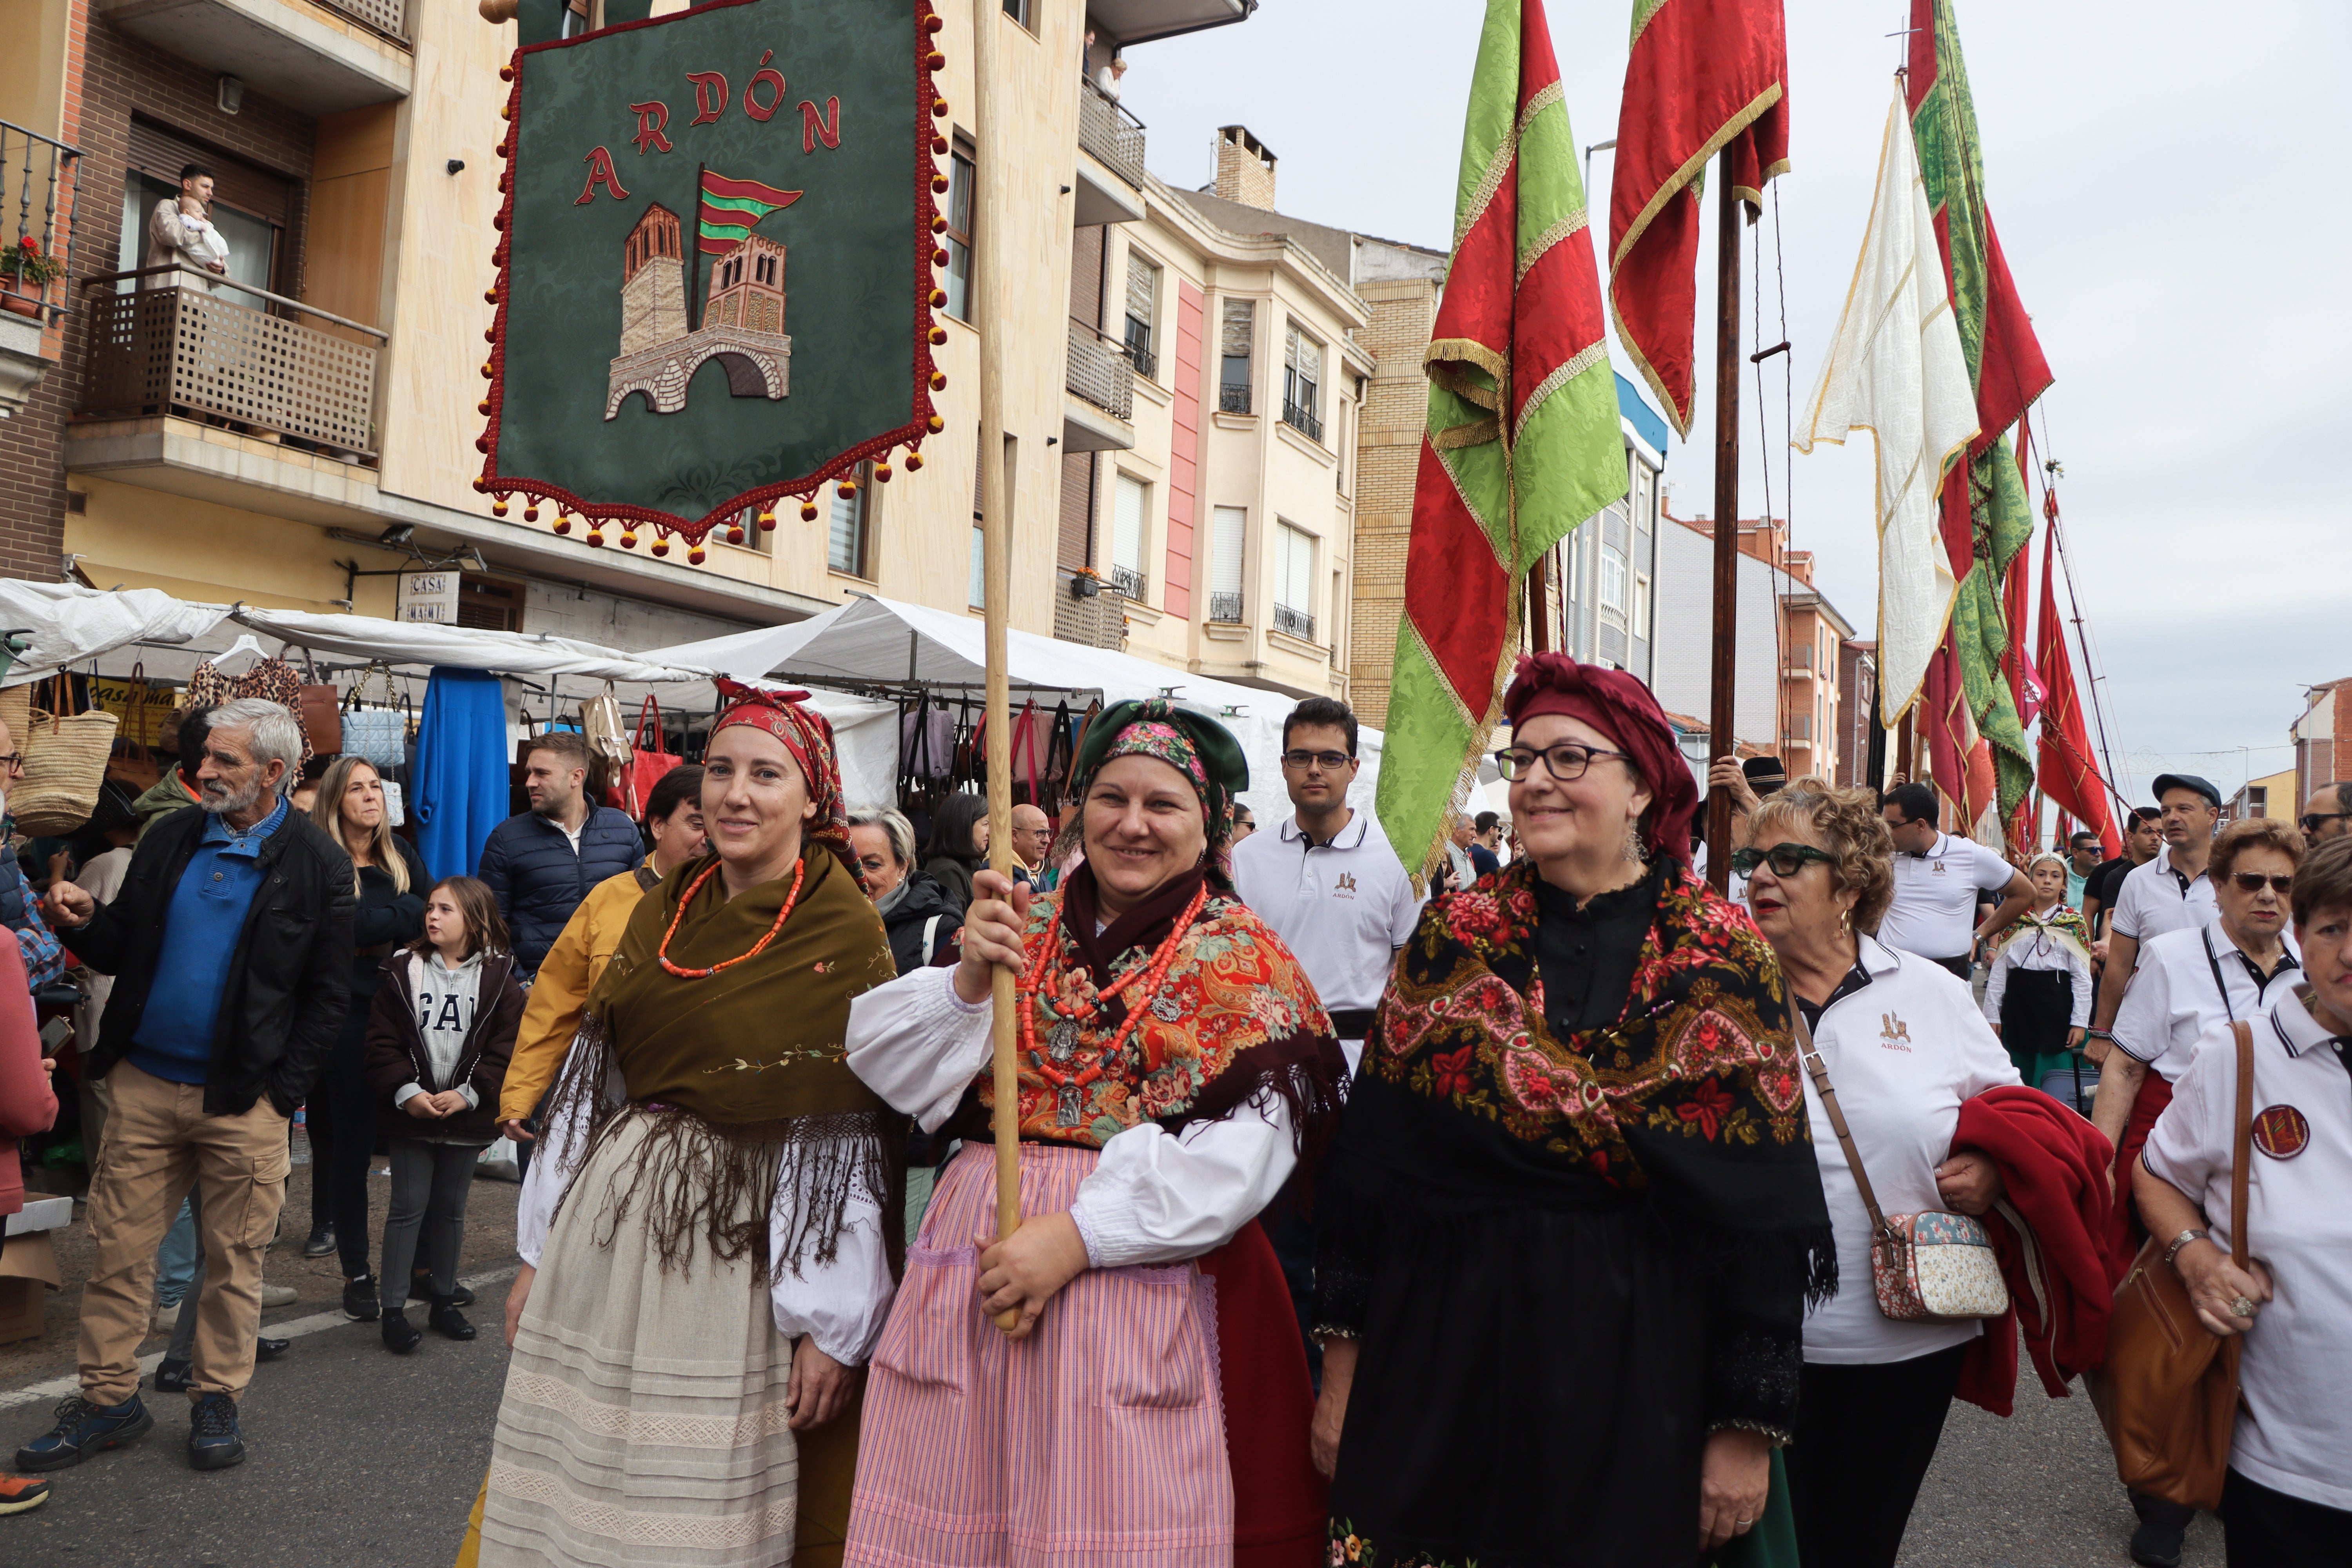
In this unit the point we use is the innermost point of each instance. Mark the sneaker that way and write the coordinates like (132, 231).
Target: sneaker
(400, 1335)
(84, 1429)
(167, 1318)
(266, 1349)
(278, 1296)
(362, 1301)
(21, 1494)
(2163, 1532)
(212, 1440)
(447, 1321)
(172, 1376)
(461, 1296)
(322, 1241)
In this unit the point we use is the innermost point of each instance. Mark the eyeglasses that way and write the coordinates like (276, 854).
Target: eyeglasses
(2311, 820)
(1567, 760)
(2252, 882)
(12, 762)
(1331, 762)
(1786, 859)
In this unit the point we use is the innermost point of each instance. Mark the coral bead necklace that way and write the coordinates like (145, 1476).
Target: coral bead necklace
(1081, 1011)
(800, 871)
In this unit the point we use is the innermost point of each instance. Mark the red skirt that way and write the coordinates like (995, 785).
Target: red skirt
(2124, 1232)
(1281, 1503)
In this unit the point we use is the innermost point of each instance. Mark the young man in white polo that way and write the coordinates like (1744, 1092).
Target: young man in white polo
(1325, 877)
(1937, 879)
(2170, 892)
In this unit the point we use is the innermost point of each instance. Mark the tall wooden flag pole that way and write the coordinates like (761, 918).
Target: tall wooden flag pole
(1722, 692)
(996, 581)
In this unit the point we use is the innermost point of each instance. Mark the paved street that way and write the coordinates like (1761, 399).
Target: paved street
(370, 1460)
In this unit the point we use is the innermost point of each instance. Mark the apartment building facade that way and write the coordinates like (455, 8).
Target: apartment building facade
(294, 433)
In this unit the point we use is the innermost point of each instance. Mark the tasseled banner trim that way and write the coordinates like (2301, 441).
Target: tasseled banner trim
(721, 1183)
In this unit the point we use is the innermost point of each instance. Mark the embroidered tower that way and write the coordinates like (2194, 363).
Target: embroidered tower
(746, 288)
(653, 282)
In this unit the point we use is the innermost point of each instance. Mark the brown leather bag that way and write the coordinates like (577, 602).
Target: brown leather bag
(2168, 1393)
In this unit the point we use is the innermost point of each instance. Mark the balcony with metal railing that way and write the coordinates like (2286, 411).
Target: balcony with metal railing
(1234, 398)
(1096, 414)
(1302, 420)
(319, 57)
(1129, 582)
(1110, 167)
(1226, 607)
(179, 347)
(37, 197)
(1295, 623)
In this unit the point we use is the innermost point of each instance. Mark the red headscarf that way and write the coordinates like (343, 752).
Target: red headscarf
(807, 734)
(1623, 709)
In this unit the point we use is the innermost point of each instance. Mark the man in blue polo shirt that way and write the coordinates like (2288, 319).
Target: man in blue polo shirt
(230, 943)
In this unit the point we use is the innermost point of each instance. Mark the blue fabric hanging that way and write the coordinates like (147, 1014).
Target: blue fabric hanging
(459, 784)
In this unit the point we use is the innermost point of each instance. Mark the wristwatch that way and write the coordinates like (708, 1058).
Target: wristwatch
(2183, 1239)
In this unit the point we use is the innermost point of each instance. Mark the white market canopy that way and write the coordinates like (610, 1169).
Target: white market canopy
(63, 623)
(465, 648)
(887, 642)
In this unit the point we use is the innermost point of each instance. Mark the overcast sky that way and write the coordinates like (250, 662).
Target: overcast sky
(2161, 178)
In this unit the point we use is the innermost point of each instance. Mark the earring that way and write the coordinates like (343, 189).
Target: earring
(1636, 850)
(1845, 921)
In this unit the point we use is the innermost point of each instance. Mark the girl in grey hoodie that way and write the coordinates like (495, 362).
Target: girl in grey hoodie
(439, 1038)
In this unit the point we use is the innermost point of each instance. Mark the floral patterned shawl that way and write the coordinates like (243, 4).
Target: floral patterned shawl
(1236, 1022)
(1691, 1096)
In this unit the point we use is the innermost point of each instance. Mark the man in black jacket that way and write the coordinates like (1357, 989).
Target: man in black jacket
(540, 864)
(230, 943)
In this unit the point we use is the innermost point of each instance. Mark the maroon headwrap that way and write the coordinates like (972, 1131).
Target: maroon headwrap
(1622, 708)
(807, 734)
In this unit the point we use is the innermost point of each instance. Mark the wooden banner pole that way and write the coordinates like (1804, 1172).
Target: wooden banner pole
(991, 228)
(1722, 738)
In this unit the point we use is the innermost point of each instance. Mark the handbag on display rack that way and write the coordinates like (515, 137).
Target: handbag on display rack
(64, 758)
(318, 707)
(1932, 1267)
(599, 720)
(131, 763)
(378, 735)
(648, 759)
(2168, 1394)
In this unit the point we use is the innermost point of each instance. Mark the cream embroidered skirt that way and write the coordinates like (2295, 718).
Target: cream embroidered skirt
(644, 1422)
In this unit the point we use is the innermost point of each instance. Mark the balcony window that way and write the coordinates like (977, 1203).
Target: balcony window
(1302, 378)
(846, 533)
(1127, 536)
(1228, 534)
(1142, 299)
(1612, 579)
(1294, 579)
(252, 240)
(1233, 380)
(957, 286)
(977, 595)
(1641, 606)
(1019, 11)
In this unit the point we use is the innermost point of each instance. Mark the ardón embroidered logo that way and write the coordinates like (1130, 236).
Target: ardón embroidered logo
(1345, 883)
(742, 323)
(1894, 1033)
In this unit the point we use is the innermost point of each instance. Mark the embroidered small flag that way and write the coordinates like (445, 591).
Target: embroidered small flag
(729, 208)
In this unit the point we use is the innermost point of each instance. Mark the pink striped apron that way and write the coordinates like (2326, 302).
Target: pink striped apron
(1098, 1441)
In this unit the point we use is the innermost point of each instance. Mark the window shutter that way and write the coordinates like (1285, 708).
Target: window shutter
(1240, 318)
(1230, 526)
(1143, 284)
(1310, 357)
(1290, 350)
(1127, 536)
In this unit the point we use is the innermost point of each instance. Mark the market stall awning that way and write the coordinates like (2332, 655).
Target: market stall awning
(465, 648)
(883, 641)
(63, 624)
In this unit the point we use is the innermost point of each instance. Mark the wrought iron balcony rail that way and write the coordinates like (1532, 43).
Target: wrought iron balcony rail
(1224, 607)
(1301, 420)
(37, 200)
(1296, 623)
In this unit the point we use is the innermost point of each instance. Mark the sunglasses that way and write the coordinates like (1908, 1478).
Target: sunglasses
(2312, 820)
(2252, 882)
(1786, 859)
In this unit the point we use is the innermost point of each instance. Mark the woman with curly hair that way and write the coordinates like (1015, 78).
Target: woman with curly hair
(1173, 1064)
(1570, 1222)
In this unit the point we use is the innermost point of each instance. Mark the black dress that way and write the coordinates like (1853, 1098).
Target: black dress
(1543, 1350)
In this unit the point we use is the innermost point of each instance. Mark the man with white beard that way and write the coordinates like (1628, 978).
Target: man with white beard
(230, 943)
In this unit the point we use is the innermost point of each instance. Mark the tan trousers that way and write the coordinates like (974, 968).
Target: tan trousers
(158, 1142)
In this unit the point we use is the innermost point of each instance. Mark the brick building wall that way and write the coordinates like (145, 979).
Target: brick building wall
(1388, 453)
(110, 74)
(2322, 739)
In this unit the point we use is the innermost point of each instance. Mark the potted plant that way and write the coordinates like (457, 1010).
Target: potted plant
(29, 272)
(1084, 583)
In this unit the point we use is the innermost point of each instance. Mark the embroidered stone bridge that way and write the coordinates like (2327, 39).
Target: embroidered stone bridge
(758, 365)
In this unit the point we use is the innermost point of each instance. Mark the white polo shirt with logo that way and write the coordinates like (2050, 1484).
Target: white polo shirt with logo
(1934, 909)
(1343, 908)
(2172, 1001)
(2155, 898)
(1903, 1052)
(2295, 1428)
